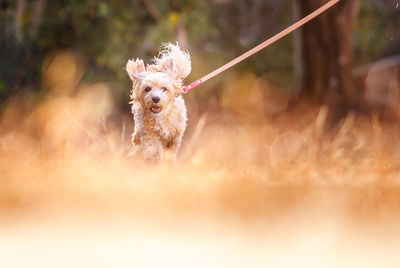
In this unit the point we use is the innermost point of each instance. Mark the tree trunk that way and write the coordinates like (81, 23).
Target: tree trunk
(18, 26)
(37, 17)
(297, 46)
(327, 51)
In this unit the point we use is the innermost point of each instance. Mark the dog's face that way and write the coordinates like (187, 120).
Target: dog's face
(157, 92)
(156, 86)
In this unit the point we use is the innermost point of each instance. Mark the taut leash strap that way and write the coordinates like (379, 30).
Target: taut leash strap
(261, 46)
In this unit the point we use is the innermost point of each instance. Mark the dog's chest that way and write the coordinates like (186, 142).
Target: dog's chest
(168, 127)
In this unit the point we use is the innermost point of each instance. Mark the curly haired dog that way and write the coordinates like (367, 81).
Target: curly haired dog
(158, 108)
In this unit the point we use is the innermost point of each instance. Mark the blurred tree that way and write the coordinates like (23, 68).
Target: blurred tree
(106, 33)
(327, 53)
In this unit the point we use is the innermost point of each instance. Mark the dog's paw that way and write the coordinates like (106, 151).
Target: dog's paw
(135, 139)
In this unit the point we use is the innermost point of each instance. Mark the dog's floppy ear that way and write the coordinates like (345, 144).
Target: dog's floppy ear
(174, 61)
(135, 69)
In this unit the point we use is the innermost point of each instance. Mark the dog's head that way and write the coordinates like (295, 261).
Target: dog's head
(155, 86)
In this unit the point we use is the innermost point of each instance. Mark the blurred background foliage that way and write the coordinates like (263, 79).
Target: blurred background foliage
(104, 34)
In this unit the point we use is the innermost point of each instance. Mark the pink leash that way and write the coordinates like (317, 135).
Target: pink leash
(261, 46)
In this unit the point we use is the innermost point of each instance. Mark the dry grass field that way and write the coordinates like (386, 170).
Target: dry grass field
(250, 189)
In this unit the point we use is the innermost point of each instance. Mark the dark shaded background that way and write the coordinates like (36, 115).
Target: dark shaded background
(326, 60)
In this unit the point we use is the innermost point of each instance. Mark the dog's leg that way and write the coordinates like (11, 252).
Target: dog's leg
(152, 148)
(135, 138)
(173, 149)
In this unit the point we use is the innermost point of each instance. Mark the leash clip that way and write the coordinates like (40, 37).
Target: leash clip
(192, 86)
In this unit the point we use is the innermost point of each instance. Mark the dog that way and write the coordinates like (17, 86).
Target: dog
(158, 108)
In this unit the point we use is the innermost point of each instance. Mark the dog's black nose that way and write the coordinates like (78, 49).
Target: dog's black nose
(156, 99)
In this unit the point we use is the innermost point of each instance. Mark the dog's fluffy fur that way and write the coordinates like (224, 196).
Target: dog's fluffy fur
(158, 108)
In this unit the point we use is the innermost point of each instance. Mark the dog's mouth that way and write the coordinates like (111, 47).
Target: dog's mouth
(156, 109)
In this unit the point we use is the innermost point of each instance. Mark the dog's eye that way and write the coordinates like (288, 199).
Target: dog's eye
(147, 89)
(164, 89)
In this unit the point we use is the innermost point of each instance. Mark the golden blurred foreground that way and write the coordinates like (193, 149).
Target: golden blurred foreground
(249, 189)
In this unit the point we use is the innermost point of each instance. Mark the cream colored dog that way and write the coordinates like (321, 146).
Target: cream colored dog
(158, 108)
